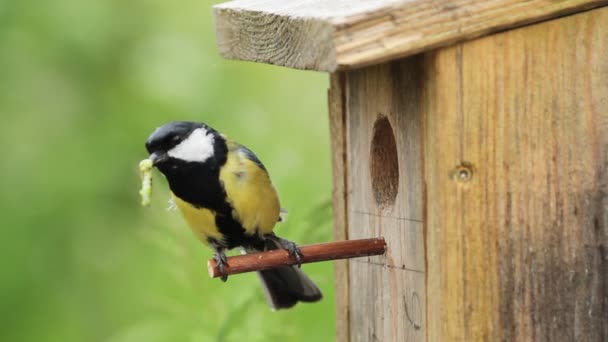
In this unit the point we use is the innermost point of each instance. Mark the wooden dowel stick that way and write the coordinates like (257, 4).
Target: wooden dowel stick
(311, 253)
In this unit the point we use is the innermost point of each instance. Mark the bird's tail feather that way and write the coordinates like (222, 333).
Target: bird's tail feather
(285, 286)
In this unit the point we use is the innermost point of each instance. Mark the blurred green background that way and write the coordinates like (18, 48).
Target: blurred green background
(82, 84)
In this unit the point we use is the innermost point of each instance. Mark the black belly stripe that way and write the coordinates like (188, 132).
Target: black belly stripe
(231, 229)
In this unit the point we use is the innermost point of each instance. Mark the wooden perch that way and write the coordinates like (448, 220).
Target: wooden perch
(311, 253)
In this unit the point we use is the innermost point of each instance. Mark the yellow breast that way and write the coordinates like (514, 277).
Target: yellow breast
(200, 220)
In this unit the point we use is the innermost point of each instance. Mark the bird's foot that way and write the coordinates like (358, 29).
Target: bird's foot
(220, 259)
(290, 247)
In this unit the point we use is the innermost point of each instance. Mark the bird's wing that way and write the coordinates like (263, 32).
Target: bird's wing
(251, 156)
(249, 190)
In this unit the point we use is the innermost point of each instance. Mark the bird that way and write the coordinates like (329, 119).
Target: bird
(228, 200)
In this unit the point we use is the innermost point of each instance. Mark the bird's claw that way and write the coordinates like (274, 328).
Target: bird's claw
(222, 261)
(293, 250)
(287, 245)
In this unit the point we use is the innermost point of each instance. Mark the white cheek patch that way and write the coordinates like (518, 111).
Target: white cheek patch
(198, 147)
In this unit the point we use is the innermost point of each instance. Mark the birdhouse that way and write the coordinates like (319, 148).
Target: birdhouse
(473, 136)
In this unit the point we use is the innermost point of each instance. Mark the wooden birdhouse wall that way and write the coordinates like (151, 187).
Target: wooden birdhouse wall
(383, 130)
(482, 166)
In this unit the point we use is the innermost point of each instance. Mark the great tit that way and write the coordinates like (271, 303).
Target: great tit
(227, 198)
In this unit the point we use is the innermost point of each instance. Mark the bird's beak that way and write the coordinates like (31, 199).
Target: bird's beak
(158, 158)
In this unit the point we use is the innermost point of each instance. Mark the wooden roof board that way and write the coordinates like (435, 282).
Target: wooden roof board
(330, 35)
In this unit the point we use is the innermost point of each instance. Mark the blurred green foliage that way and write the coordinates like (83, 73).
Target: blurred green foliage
(82, 84)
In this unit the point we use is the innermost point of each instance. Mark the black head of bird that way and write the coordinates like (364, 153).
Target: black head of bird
(182, 142)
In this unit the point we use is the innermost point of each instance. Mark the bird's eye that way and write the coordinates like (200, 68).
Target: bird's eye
(176, 139)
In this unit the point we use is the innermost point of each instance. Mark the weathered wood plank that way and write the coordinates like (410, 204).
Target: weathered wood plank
(328, 35)
(498, 228)
(385, 192)
(516, 167)
(337, 126)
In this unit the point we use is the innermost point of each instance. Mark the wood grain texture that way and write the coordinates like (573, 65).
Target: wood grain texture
(516, 167)
(337, 126)
(329, 35)
(499, 227)
(387, 293)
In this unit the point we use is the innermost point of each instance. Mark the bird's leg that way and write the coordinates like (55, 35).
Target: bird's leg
(220, 259)
(287, 245)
